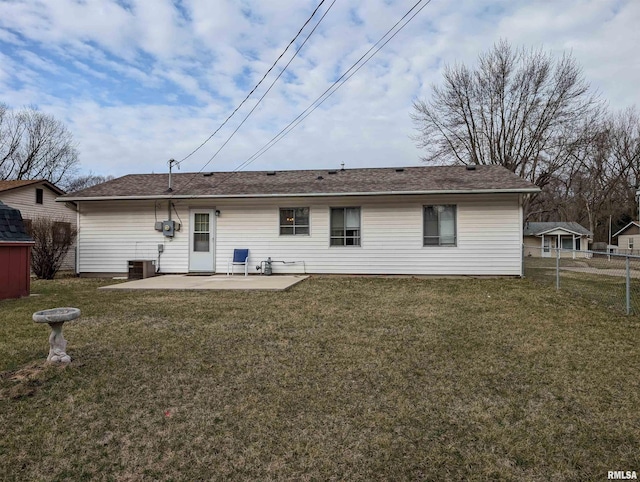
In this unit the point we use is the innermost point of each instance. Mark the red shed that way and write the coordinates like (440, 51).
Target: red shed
(15, 254)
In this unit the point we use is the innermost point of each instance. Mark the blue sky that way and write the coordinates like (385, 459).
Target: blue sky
(141, 81)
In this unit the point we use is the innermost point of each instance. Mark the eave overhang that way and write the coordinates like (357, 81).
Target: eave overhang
(279, 195)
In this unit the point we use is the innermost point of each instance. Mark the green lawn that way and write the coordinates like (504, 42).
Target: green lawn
(339, 378)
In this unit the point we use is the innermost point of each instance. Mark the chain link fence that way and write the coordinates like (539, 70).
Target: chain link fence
(607, 279)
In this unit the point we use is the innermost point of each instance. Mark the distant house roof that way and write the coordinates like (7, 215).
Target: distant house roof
(9, 185)
(11, 225)
(536, 229)
(366, 181)
(632, 223)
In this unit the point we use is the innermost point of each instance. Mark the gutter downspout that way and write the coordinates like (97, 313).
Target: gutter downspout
(78, 240)
(521, 215)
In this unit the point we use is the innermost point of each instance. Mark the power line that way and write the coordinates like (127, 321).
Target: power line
(256, 86)
(335, 86)
(261, 98)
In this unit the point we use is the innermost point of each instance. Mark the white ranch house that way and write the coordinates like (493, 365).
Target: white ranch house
(542, 239)
(447, 220)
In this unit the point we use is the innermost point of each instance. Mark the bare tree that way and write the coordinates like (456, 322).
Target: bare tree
(626, 149)
(521, 109)
(35, 145)
(53, 239)
(83, 182)
(599, 179)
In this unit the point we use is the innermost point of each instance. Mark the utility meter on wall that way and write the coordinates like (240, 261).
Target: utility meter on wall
(168, 228)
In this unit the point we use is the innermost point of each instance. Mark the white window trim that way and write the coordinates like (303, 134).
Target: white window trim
(347, 246)
(294, 234)
(455, 227)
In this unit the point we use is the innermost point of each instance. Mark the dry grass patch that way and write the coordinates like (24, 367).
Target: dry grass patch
(337, 378)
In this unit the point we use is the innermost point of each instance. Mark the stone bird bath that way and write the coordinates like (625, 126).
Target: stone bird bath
(56, 318)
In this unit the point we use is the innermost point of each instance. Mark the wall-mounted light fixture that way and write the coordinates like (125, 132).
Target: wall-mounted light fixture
(217, 213)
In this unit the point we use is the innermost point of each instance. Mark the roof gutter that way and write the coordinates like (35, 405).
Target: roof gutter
(323, 194)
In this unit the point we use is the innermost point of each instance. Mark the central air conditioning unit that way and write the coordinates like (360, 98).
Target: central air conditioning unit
(141, 269)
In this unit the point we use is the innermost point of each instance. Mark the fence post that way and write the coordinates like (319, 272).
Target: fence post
(557, 268)
(628, 286)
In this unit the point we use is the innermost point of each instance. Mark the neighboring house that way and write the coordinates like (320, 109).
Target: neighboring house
(628, 239)
(446, 220)
(542, 239)
(37, 198)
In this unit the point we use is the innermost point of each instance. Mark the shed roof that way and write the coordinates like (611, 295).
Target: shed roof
(534, 229)
(365, 181)
(11, 225)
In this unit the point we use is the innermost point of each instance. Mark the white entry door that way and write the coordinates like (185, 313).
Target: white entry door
(546, 250)
(201, 240)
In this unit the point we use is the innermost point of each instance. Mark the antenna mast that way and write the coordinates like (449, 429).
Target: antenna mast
(172, 162)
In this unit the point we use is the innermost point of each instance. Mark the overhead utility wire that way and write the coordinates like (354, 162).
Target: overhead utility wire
(260, 99)
(254, 89)
(316, 103)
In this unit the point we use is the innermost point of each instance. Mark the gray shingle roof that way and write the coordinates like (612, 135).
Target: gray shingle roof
(11, 225)
(311, 182)
(532, 229)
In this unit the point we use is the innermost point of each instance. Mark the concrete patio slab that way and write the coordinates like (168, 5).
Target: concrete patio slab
(213, 282)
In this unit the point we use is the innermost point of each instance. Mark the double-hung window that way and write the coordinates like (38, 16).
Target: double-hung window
(294, 221)
(345, 227)
(440, 225)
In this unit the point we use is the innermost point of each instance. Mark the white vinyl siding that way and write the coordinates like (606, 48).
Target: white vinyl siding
(624, 240)
(489, 235)
(113, 233)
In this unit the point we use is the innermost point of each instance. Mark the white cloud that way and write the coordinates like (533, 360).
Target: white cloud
(151, 79)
